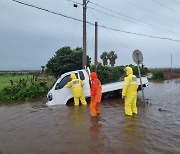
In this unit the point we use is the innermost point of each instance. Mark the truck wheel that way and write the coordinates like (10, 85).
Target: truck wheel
(70, 102)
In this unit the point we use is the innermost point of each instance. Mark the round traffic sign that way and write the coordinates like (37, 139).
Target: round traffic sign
(137, 57)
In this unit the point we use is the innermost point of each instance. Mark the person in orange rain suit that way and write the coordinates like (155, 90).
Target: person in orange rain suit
(96, 93)
(76, 85)
(129, 92)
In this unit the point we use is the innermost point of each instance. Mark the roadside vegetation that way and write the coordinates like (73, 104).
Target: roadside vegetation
(22, 87)
(15, 87)
(160, 74)
(109, 74)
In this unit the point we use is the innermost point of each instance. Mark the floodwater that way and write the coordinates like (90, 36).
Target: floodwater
(31, 128)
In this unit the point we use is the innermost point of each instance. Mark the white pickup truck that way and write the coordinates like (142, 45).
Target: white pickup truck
(60, 94)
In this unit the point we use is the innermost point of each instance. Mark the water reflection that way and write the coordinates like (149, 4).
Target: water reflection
(97, 136)
(79, 116)
(130, 131)
(95, 124)
(132, 135)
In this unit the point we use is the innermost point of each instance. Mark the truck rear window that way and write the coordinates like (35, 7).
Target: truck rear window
(81, 74)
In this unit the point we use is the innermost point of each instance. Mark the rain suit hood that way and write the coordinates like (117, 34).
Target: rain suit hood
(73, 76)
(128, 70)
(93, 76)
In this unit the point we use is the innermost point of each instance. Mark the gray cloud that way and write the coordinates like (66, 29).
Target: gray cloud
(30, 37)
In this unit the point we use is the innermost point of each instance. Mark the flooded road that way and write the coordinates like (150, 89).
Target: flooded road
(31, 128)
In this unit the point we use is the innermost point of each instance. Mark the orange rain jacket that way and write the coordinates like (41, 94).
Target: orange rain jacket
(96, 89)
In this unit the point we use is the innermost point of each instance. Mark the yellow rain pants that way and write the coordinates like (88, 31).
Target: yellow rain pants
(130, 92)
(76, 85)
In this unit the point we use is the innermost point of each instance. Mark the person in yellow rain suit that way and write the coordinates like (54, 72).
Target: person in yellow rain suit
(129, 92)
(76, 85)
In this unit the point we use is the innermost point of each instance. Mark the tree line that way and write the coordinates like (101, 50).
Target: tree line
(67, 59)
(64, 60)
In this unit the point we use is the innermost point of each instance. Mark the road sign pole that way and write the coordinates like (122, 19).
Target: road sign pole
(138, 58)
(140, 81)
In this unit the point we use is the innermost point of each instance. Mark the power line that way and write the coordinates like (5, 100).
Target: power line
(113, 34)
(118, 30)
(138, 22)
(75, 2)
(146, 24)
(165, 6)
(69, 17)
(114, 16)
(176, 1)
(46, 10)
(147, 10)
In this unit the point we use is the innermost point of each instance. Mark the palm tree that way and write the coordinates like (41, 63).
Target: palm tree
(112, 57)
(42, 68)
(104, 57)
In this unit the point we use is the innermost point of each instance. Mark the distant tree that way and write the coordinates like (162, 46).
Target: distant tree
(112, 57)
(143, 71)
(42, 68)
(64, 60)
(104, 57)
(142, 65)
(108, 74)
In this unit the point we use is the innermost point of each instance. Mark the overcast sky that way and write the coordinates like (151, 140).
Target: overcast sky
(29, 37)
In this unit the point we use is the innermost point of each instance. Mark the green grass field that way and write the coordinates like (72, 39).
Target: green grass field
(24, 86)
(5, 79)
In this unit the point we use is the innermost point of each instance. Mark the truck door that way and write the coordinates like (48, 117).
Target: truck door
(61, 92)
(85, 79)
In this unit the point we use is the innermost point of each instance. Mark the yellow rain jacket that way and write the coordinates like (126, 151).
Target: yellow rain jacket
(130, 91)
(76, 85)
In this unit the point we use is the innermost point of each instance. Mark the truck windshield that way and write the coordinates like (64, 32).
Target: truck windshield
(63, 82)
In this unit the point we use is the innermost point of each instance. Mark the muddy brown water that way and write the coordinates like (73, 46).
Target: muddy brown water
(31, 128)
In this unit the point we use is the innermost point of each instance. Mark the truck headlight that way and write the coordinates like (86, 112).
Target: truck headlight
(50, 97)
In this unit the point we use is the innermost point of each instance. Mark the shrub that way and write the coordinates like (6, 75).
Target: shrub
(109, 74)
(20, 91)
(158, 75)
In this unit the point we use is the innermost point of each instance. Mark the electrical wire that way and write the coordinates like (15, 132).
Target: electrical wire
(165, 6)
(144, 23)
(135, 21)
(113, 34)
(150, 11)
(118, 30)
(176, 1)
(46, 10)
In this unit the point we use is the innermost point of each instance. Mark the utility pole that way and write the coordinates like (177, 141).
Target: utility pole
(171, 60)
(171, 66)
(96, 44)
(84, 34)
